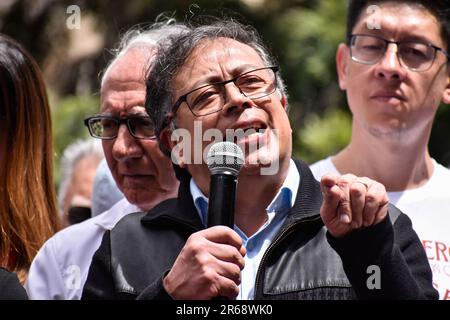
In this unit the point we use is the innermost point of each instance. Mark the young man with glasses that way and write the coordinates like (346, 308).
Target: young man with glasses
(395, 70)
(287, 241)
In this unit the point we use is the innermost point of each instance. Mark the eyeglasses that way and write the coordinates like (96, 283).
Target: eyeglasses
(415, 56)
(107, 127)
(210, 98)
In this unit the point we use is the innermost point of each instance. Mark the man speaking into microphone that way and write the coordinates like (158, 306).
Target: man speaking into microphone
(293, 238)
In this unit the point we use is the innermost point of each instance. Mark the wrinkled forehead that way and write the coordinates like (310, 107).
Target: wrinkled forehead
(221, 50)
(216, 59)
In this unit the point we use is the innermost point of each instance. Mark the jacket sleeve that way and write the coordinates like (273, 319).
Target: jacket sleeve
(155, 291)
(100, 283)
(386, 261)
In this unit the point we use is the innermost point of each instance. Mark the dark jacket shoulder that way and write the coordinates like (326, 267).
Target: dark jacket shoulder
(10, 288)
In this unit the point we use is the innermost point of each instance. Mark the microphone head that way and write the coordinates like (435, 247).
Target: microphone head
(225, 158)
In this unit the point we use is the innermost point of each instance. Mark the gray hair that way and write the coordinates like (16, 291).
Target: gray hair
(72, 155)
(168, 61)
(145, 36)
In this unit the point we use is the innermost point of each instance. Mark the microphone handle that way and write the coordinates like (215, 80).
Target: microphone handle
(222, 198)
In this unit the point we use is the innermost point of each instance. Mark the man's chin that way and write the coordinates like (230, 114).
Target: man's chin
(139, 197)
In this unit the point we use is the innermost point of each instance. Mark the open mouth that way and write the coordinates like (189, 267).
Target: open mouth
(251, 139)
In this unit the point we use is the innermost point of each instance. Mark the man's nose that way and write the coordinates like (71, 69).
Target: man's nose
(235, 99)
(389, 67)
(125, 145)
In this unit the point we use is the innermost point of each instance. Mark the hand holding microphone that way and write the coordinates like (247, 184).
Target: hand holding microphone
(210, 263)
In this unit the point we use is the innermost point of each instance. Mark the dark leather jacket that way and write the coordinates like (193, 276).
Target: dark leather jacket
(10, 288)
(303, 262)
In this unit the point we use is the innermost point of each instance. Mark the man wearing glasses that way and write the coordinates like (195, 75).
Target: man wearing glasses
(143, 174)
(287, 242)
(395, 70)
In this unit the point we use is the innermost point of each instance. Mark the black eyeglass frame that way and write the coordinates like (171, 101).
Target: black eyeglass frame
(119, 121)
(387, 42)
(183, 98)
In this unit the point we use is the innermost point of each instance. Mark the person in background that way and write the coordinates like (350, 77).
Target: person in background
(293, 238)
(78, 166)
(142, 173)
(28, 210)
(105, 192)
(395, 76)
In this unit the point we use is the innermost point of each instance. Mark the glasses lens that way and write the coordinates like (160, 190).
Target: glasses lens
(367, 49)
(103, 128)
(416, 56)
(257, 84)
(206, 100)
(141, 127)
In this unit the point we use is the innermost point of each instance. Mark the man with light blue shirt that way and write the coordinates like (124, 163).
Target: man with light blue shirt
(257, 243)
(288, 241)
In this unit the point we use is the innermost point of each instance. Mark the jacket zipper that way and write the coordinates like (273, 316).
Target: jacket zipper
(280, 238)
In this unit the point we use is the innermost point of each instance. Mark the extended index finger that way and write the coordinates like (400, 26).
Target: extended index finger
(332, 196)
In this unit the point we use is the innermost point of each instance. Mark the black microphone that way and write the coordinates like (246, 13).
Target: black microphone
(225, 160)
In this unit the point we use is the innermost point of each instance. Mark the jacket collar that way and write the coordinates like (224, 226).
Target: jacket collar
(309, 197)
(182, 209)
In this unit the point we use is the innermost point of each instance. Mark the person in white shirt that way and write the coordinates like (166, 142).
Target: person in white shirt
(395, 77)
(142, 173)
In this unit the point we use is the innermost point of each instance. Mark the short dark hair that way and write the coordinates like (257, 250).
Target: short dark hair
(170, 59)
(439, 8)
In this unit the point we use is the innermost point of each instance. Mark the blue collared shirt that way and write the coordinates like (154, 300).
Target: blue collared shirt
(257, 244)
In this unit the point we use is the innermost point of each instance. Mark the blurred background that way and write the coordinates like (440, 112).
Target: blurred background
(302, 34)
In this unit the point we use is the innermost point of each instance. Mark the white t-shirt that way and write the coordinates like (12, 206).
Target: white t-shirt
(428, 207)
(60, 268)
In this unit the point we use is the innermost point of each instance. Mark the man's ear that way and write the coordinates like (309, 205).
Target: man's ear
(168, 145)
(342, 60)
(446, 95)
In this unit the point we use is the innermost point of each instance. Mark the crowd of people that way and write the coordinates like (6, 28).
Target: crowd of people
(134, 225)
